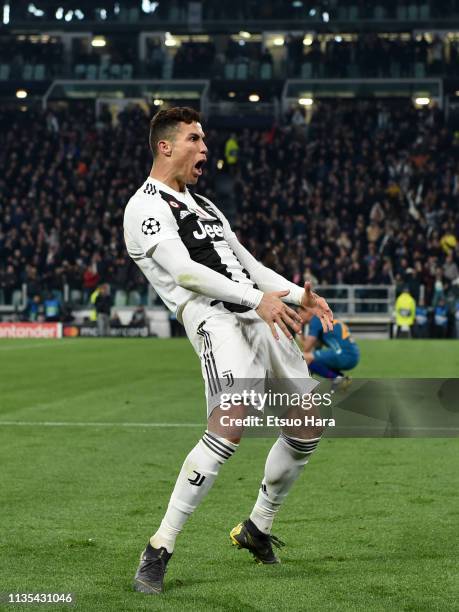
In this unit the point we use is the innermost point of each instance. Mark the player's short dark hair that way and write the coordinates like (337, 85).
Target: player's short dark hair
(165, 122)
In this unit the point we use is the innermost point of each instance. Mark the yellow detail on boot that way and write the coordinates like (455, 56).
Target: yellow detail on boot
(234, 532)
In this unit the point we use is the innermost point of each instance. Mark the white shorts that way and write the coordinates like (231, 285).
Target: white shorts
(237, 348)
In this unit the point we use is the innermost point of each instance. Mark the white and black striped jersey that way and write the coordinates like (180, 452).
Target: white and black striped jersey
(156, 213)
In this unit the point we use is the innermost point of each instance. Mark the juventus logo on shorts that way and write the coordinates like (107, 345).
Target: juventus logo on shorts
(198, 480)
(229, 378)
(149, 189)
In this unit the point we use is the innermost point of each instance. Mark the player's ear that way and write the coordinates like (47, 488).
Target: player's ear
(165, 147)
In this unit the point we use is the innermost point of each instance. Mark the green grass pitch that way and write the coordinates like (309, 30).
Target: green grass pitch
(372, 524)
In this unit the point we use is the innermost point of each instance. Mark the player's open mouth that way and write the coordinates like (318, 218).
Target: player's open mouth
(198, 166)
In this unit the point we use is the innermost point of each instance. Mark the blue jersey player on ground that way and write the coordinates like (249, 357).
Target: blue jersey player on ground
(329, 354)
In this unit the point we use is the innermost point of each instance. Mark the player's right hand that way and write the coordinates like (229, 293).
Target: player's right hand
(273, 310)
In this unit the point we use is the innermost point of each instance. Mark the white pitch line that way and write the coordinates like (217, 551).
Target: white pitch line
(19, 347)
(47, 344)
(92, 424)
(159, 425)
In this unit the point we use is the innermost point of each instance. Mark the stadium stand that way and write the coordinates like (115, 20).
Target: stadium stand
(366, 193)
(331, 125)
(351, 55)
(131, 11)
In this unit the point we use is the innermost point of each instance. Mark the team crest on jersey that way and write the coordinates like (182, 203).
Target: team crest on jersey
(151, 226)
(174, 204)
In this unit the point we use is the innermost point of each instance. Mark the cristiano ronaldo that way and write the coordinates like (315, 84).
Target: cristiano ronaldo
(236, 315)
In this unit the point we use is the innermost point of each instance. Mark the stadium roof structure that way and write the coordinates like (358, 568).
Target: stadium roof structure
(320, 16)
(295, 89)
(151, 90)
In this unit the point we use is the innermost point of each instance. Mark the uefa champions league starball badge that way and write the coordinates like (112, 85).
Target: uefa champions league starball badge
(150, 226)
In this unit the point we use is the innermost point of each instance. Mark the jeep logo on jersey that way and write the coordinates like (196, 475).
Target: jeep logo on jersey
(150, 226)
(212, 230)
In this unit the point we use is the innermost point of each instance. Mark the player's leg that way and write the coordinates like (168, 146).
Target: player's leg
(333, 366)
(199, 472)
(197, 475)
(285, 462)
(324, 363)
(293, 449)
(288, 455)
(202, 464)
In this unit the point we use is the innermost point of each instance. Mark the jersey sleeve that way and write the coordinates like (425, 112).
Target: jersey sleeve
(315, 327)
(146, 224)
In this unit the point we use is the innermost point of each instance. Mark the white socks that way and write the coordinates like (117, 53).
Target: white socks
(284, 464)
(196, 477)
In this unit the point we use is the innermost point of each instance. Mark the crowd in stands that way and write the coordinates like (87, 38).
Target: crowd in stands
(364, 193)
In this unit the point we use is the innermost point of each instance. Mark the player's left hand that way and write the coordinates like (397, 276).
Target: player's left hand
(317, 306)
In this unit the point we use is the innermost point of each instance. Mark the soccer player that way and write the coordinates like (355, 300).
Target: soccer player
(235, 314)
(328, 353)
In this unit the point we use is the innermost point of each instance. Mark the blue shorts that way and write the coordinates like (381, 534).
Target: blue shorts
(345, 360)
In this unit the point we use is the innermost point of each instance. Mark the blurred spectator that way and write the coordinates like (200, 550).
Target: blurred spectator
(35, 311)
(139, 317)
(421, 326)
(90, 280)
(298, 119)
(52, 308)
(450, 268)
(8, 283)
(448, 242)
(405, 313)
(231, 150)
(115, 320)
(441, 319)
(103, 305)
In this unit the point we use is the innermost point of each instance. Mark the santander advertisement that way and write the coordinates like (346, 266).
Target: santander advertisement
(30, 330)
